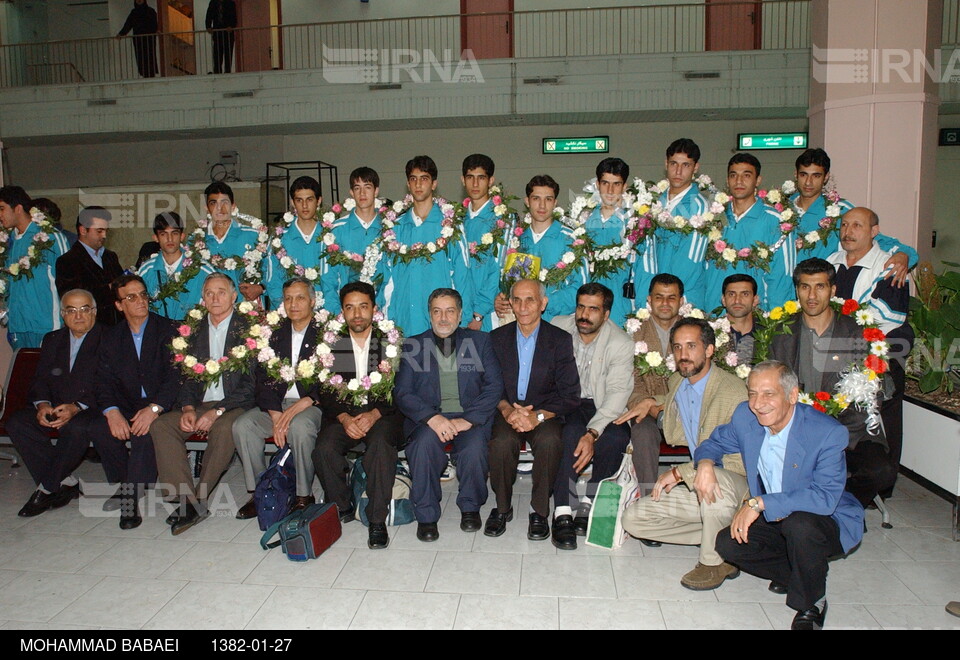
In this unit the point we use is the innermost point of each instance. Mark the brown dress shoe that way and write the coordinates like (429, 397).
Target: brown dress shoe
(705, 578)
(247, 511)
(301, 503)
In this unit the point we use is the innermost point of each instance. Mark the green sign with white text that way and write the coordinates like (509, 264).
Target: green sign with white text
(760, 141)
(590, 145)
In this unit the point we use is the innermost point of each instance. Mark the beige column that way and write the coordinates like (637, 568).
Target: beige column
(873, 106)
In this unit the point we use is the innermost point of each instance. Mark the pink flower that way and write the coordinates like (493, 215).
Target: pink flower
(785, 226)
(223, 359)
(497, 200)
(501, 224)
(337, 379)
(365, 381)
(333, 247)
(251, 343)
(518, 231)
(743, 253)
(198, 368)
(178, 358)
(578, 242)
(719, 246)
(384, 367)
(184, 330)
(560, 265)
(466, 202)
(762, 194)
(779, 207)
(826, 223)
(473, 247)
(337, 208)
(357, 258)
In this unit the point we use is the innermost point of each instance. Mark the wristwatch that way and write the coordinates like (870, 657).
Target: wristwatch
(155, 409)
(754, 504)
(220, 411)
(477, 317)
(541, 418)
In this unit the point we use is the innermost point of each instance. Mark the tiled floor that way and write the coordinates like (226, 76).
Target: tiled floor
(68, 570)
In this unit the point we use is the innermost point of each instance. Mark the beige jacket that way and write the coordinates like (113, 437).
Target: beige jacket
(648, 385)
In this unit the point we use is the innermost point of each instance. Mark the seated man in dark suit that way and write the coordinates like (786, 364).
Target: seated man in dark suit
(89, 265)
(447, 387)
(541, 385)
(61, 393)
(136, 382)
(205, 406)
(820, 346)
(798, 514)
(286, 411)
(377, 423)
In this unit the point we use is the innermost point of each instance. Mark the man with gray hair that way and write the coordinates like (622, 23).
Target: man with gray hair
(798, 514)
(447, 387)
(287, 411)
(60, 397)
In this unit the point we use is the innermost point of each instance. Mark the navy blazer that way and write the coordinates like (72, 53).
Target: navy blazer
(344, 364)
(239, 387)
(814, 467)
(54, 381)
(270, 393)
(554, 380)
(76, 269)
(417, 386)
(121, 374)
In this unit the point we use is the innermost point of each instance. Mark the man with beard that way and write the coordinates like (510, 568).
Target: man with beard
(701, 397)
(740, 299)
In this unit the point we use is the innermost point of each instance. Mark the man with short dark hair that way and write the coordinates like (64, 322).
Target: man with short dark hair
(91, 266)
(228, 238)
(819, 345)
(296, 252)
(136, 383)
(205, 408)
(287, 411)
(740, 300)
(353, 233)
(480, 220)
(541, 386)
(604, 356)
(447, 387)
(61, 397)
(33, 305)
(798, 515)
(174, 287)
(408, 280)
(377, 423)
(701, 397)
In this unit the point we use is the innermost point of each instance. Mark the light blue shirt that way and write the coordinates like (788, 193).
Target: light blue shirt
(770, 465)
(218, 340)
(96, 255)
(75, 344)
(137, 343)
(526, 346)
(690, 402)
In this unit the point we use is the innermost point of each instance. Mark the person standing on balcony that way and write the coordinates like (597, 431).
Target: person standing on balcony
(220, 22)
(142, 19)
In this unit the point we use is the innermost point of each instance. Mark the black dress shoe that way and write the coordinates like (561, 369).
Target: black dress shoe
(188, 519)
(582, 520)
(427, 532)
(650, 544)
(247, 511)
(377, 539)
(40, 502)
(114, 502)
(497, 522)
(470, 521)
(538, 529)
(130, 513)
(777, 588)
(346, 515)
(811, 619)
(563, 536)
(175, 516)
(68, 493)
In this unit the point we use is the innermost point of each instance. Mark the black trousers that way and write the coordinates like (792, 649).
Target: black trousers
(379, 462)
(222, 50)
(145, 51)
(547, 447)
(646, 436)
(607, 454)
(137, 465)
(891, 411)
(794, 552)
(871, 471)
(50, 464)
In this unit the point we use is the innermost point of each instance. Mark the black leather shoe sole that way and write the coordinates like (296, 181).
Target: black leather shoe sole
(184, 523)
(563, 535)
(811, 619)
(651, 544)
(378, 539)
(777, 588)
(470, 521)
(538, 528)
(427, 532)
(131, 522)
(497, 523)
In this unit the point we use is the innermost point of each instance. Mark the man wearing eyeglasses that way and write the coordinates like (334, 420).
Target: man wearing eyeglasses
(60, 396)
(136, 382)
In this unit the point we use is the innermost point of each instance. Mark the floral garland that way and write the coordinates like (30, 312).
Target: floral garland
(703, 223)
(40, 243)
(726, 255)
(377, 384)
(177, 283)
(606, 260)
(196, 249)
(859, 385)
(450, 232)
(646, 361)
(235, 358)
(291, 267)
(337, 255)
(282, 370)
(490, 241)
(569, 261)
(829, 224)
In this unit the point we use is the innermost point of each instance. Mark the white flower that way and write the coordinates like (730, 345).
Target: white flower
(632, 325)
(773, 196)
(731, 359)
(663, 186)
(289, 217)
(273, 318)
(266, 354)
(324, 375)
(350, 204)
(277, 243)
(833, 211)
(390, 351)
(431, 247)
(230, 264)
(205, 255)
(805, 398)
(654, 359)
(238, 351)
(306, 369)
(500, 209)
(696, 314)
(189, 362)
(864, 317)
(329, 217)
(722, 339)
(743, 371)
(286, 261)
(287, 373)
(212, 367)
(679, 222)
(787, 215)
(722, 198)
(398, 206)
(273, 362)
(487, 239)
(812, 237)
(879, 348)
(311, 274)
(729, 255)
(375, 377)
(640, 347)
(353, 385)
(31, 251)
(763, 252)
(714, 235)
(567, 258)
(643, 314)
(323, 349)
(195, 314)
(447, 231)
(403, 249)
(246, 307)
(543, 274)
(328, 239)
(789, 187)
(180, 344)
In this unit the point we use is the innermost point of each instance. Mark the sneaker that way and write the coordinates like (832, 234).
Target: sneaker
(705, 578)
(449, 473)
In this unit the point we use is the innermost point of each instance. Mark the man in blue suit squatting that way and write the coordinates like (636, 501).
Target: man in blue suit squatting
(798, 514)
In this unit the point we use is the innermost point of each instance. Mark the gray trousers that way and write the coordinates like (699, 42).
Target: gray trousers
(255, 426)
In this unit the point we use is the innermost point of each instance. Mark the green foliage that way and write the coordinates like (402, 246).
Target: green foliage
(935, 317)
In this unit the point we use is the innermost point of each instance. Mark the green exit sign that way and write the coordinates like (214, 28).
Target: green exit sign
(587, 145)
(759, 141)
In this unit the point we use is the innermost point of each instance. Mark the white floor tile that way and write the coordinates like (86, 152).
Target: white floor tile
(139, 558)
(655, 579)
(679, 615)
(866, 583)
(41, 596)
(389, 570)
(384, 610)
(276, 569)
(120, 602)
(930, 617)
(305, 608)
(934, 582)
(506, 613)
(215, 562)
(839, 617)
(207, 606)
(610, 614)
(475, 573)
(568, 575)
(59, 554)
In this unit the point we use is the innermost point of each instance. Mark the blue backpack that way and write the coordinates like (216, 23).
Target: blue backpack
(400, 509)
(276, 489)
